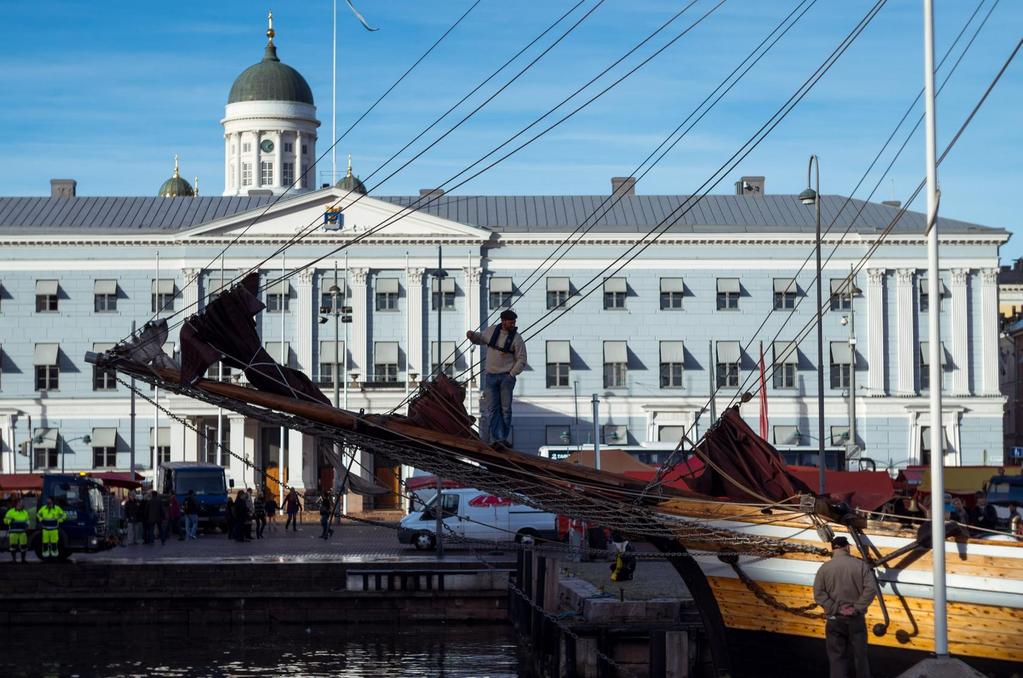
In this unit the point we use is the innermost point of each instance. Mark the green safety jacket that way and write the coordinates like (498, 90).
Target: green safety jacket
(16, 520)
(50, 518)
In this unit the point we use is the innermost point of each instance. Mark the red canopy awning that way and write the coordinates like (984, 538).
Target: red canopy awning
(127, 479)
(429, 483)
(21, 482)
(867, 490)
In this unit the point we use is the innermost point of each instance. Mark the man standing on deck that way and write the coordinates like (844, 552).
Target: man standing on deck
(844, 587)
(506, 358)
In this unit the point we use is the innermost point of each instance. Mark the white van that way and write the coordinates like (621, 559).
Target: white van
(474, 514)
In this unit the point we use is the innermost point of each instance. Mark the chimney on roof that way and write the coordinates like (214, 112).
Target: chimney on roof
(892, 203)
(431, 192)
(63, 188)
(750, 186)
(260, 193)
(621, 186)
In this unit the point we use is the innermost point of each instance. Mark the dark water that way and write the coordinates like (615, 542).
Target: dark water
(341, 651)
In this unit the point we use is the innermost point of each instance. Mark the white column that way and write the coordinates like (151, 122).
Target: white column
(190, 291)
(305, 320)
(989, 330)
(296, 452)
(227, 164)
(237, 187)
(257, 175)
(414, 350)
(177, 440)
(876, 340)
(907, 341)
(298, 159)
(360, 322)
(959, 322)
(191, 452)
(473, 295)
(236, 443)
(279, 160)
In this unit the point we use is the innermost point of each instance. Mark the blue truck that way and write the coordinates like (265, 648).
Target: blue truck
(208, 481)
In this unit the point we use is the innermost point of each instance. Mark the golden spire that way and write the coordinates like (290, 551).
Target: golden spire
(270, 27)
(349, 164)
(176, 173)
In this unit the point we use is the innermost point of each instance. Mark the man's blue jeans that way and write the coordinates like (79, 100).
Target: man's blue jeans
(499, 389)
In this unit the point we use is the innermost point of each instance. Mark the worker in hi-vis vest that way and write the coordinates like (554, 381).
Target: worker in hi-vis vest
(49, 518)
(506, 358)
(16, 522)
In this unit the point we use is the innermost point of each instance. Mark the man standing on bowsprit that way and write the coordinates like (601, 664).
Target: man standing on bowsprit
(845, 588)
(505, 360)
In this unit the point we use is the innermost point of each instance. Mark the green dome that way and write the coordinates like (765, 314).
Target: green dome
(176, 187)
(270, 80)
(351, 183)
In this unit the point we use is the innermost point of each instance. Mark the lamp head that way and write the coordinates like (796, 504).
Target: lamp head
(323, 320)
(808, 197)
(86, 439)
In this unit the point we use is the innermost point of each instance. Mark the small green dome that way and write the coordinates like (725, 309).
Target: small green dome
(270, 80)
(176, 187)
(350, 182)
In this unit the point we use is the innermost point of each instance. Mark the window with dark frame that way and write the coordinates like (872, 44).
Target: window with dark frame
(387, 294)
(925, 366)
(47, 378)
(557, 292)
(103, 379)
(785, 293)
(786, 359)
(446, 296)
(615, 364)
(559, 357)
(501, 290)
(728, 294)
(46, 457)
(840, 300)
(447, 354)
(841, 365)
(727, 366)
(672, 291)
(385, 362)
(615, 292)
(104, 457)
(672, 363)
(47, 296)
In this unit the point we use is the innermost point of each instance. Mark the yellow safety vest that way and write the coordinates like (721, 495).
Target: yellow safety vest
(50, 518)
(16, 520)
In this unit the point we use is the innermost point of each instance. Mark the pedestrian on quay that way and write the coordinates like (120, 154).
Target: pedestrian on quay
(270, 506)
(16, 522)
(259, 514)
(326, 508)
(844, 587)
(156, 515)
(131, 514)
(191, 509)
(292, 506)
(49, 518)
(175, 517)
(242, 519)
(505, 360)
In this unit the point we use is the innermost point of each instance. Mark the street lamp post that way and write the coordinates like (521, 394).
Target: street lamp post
(85, 439)
(812, 196)
(342, 314)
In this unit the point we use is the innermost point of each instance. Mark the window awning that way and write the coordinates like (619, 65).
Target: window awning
(672, 285)
(785, 352)
(616, 352)
(559, 352)
(446, 284)
(785, 286)
(672, 352)
(327, 351)
(942, 290)
(166, 286)
(558, 284)
(387, 285)
(327, 280)
(786, 435)
(447, 350)
(841, 353)
(839, 286)
(214, 284)
(385, 353)
(105, 287)
(282, 287)
(500, 284)
(46, 354)
(925, 353)
(615, 285)
(730, 285)
(162, 438)
(104, 437)
(670, 434)
(98, 347)
(48, 437)
(274, 349)
(839, 435)
(47, 287)
(728, 352)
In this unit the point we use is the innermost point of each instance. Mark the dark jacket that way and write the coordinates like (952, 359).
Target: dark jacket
(191, 506)
(986, 517)
(241, 512)
(155, 511)
(844, 580)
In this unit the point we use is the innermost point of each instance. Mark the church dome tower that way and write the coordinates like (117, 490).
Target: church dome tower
(269, 128)
(176, 186)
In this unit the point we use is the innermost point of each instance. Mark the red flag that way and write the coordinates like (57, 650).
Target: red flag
(763, 396)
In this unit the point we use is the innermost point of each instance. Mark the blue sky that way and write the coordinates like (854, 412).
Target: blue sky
(107, 93)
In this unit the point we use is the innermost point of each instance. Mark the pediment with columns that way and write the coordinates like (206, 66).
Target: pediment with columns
(362, 213)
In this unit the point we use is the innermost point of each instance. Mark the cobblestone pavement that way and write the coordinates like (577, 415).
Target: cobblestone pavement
(351, 542)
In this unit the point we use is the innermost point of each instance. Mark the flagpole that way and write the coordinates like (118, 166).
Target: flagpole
(155, 458)
(333, 106)
(284, 363)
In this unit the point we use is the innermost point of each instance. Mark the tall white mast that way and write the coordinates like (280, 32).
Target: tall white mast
(934, 348)
(156, 389)
(333, 106)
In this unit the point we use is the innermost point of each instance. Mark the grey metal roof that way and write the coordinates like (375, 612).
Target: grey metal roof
(510, 214)
(117, 214)
(640, 213)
